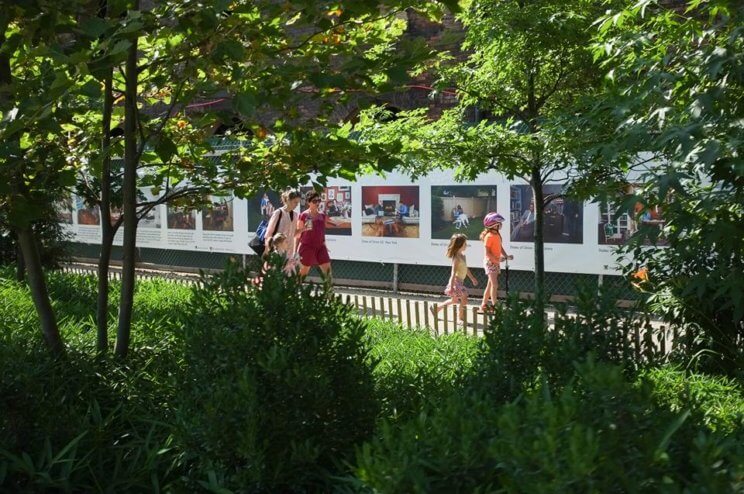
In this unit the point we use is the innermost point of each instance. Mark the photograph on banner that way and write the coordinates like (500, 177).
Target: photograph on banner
(460, 209)
(390, 211)
(89, 216)
(115, 214)
(335, 203)
(152, 218)
(616, 226)
(563, 219)
(261, 206)
(181, 218)
(218, 215)
(63, 208)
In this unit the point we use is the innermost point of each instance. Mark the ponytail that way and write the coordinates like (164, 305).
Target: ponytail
(495, 229)
(273, 242)
(271, 248)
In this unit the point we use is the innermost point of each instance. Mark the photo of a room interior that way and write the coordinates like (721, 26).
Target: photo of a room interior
(336, 205)
(563, 217)
(218, 216)
(89, 216)
(390, 211)
(181, 218)
(617, 226)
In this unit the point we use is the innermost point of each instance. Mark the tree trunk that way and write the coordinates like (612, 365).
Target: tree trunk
(20, 263)
(29, 259)
(107, 231)
(104, 259)
(129, 200)
(39, 294)
(537, 194)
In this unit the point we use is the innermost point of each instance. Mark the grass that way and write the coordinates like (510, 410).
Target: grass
(472, 231)
(413, 369)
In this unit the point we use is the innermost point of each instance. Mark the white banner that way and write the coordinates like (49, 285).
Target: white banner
(393, 220)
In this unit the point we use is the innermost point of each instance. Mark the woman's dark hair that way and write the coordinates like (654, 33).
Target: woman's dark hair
(312, 194)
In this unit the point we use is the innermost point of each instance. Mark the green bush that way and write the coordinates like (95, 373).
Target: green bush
(273, 390)
(278, 385)
(159, 306)
(717, 402)
(598, 434)
(414, 369)
(84, 423)
(521, 348)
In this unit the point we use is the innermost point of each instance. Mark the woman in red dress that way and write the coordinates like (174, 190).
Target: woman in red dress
(311, 233)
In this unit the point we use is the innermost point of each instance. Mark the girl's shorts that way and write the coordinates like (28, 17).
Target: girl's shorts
(491, 267)
(456, 289)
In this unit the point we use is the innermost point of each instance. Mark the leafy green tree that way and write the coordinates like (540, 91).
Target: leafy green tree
(261, 54)
(38, 61)
(526, 64)
(109, 63)
(675, 88)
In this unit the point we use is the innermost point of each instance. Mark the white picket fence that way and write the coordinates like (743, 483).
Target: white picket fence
(415, 311)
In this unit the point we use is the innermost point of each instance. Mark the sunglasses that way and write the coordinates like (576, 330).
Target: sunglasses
(315, 201)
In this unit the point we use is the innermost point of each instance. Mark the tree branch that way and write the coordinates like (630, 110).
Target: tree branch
(161, 124)
(544, 98)
(146, 207)
(335, 26)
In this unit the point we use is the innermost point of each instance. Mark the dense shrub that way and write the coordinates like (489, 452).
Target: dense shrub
(272, 389)
(51, 237)
(414, 369)
(716, 402)
(83, 423)
(558, 407)
(521, 347)
(600, 433)
(278, 385)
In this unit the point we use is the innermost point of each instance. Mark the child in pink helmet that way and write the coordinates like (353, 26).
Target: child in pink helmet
(493, 255)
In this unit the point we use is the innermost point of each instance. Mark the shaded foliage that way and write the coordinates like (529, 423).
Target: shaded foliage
(674, 91)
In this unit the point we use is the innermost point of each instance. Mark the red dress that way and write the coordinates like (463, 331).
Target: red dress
(313, 251)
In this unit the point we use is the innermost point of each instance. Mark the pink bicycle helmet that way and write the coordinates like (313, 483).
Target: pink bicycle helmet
(491, 219)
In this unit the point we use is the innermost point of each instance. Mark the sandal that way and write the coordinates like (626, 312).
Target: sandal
(487, 309)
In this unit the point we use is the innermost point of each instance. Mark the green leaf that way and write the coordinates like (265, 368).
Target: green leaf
(230, 49)
(245, 103)
(67, 178)
(94, 26)
(91, 89)
(452, 5)
(397, 74)
(673, 427)
(121, 46)
(165, 148)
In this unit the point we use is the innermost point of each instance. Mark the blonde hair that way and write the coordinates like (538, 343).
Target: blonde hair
(457, 241)
(491, 229)
(274, 241)
(288, 195)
